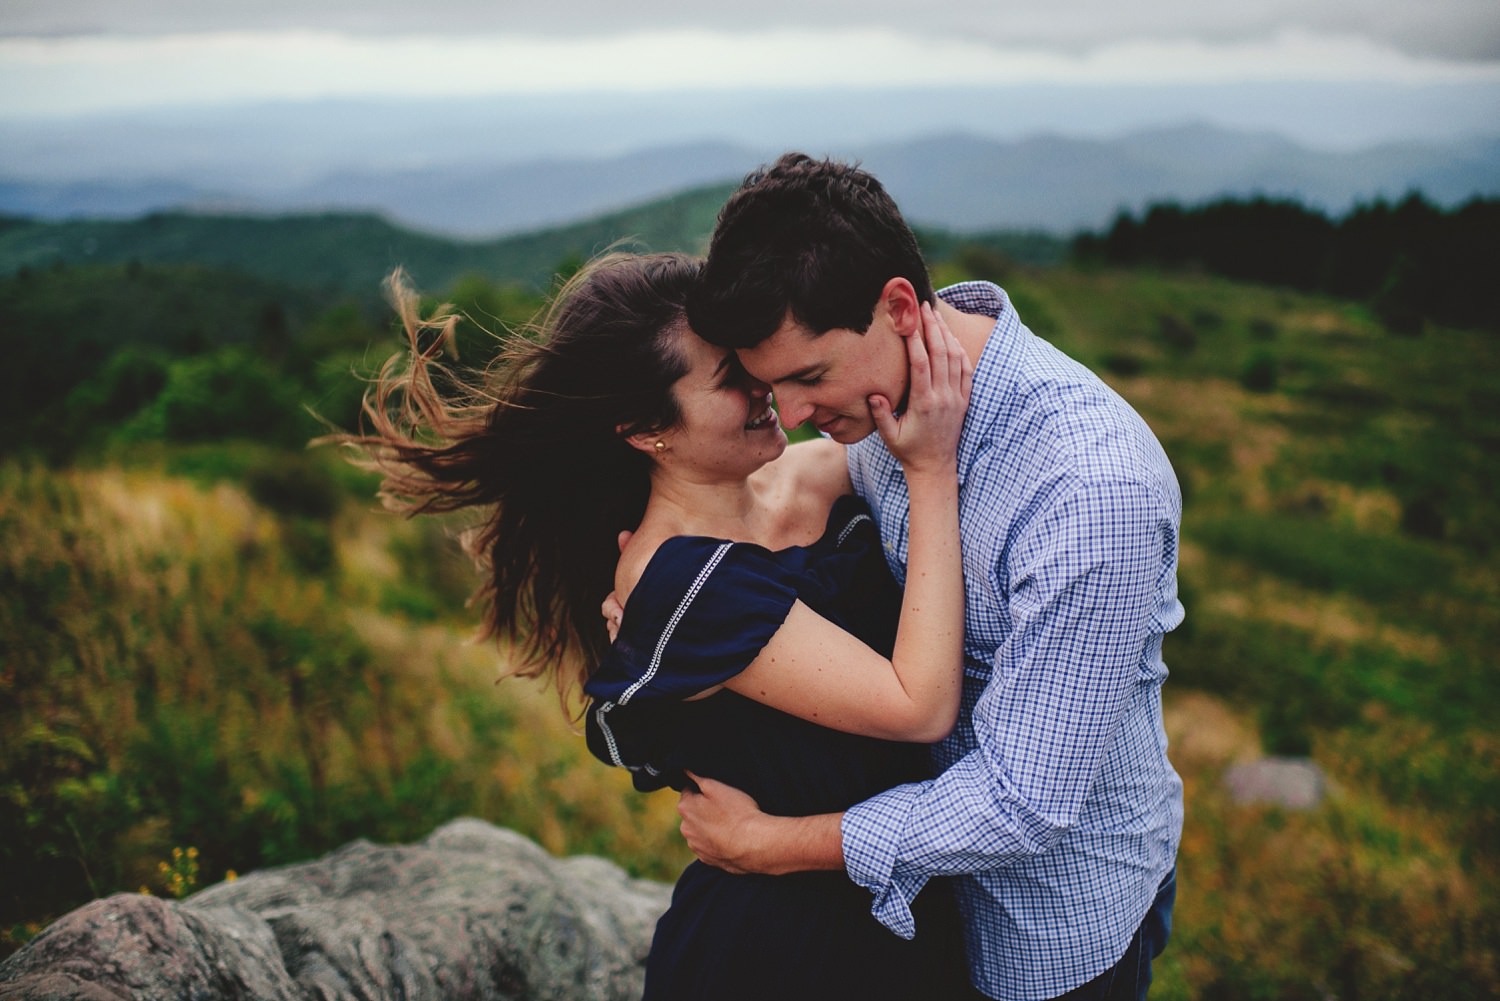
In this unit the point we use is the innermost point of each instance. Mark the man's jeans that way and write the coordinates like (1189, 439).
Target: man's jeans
(1130, 978)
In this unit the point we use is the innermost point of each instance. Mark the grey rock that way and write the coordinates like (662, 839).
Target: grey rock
(473, 911)
(1290, 783)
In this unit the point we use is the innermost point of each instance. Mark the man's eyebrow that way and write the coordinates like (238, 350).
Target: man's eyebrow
(802, 373)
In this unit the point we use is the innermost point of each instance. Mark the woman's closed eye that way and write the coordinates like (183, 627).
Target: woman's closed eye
(733, 374)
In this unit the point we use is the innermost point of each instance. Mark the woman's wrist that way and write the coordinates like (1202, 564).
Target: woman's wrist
(932, 477)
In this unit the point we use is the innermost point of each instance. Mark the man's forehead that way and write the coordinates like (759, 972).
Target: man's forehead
(786, 353)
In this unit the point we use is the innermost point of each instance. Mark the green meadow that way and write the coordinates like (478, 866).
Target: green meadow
(214, 638)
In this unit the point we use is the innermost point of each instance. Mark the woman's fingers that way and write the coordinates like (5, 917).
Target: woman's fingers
(966, 372)
(918, 360)
(945, 364)
(961, 369)
(885, 421)
(936, 335)
(927, 430)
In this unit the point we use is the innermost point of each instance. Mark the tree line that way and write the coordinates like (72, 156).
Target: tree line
(1413, 261)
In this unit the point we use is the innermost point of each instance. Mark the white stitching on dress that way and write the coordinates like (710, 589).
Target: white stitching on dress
(609, 737)
(844, 534)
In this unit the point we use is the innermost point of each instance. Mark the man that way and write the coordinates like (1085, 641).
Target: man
(1054, 804)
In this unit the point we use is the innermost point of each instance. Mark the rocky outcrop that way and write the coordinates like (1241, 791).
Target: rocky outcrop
(473, 911)
(1290, 783)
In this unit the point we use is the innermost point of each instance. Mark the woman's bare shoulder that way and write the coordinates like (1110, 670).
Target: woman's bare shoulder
(820, 465)
(634, 559)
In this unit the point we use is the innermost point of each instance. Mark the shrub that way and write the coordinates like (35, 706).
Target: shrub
(1122, 363)
(227, 394)
(294, 485)
(1329, 557)
(1176, 333)
(1259, 373)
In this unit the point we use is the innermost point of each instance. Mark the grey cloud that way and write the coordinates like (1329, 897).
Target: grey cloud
(1454, 29)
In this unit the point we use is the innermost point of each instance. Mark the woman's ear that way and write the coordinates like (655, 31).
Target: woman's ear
(899, 302)
(643, 441)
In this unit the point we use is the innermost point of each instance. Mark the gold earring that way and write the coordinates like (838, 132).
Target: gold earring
(661, 446)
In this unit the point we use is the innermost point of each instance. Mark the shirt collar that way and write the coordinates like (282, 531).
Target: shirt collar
(987, 396)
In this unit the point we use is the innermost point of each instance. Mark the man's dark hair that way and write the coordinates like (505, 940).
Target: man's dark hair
(816, 239)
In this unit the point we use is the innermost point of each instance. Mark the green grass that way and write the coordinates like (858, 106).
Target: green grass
(225, 644)
(1330, 557)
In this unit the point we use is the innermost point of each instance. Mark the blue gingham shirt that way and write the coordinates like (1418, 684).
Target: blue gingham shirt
(1054, 805)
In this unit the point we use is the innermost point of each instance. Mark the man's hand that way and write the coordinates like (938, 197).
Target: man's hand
(726, 829)
(716, 821)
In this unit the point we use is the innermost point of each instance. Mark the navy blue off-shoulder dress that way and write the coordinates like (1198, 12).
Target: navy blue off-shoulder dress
(700, 613)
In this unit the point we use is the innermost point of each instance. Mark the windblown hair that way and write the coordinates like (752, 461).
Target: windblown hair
(816, 240)
(536, 446)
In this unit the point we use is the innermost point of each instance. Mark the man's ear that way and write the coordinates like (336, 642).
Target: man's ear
(900, 304)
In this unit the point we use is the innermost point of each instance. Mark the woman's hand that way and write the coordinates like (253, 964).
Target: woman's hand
(925, 437)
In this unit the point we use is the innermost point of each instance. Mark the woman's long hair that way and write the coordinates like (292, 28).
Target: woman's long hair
(536, 445)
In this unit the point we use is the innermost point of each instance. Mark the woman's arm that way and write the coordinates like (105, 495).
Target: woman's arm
(813, 669)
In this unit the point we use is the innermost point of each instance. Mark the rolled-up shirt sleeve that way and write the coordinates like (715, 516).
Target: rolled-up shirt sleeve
(1082, 578)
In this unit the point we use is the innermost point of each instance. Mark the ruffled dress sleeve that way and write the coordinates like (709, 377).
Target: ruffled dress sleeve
(701, 612)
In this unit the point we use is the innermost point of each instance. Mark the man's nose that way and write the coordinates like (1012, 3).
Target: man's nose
(793, 408)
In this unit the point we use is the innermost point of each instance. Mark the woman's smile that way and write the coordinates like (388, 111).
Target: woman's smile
(766, 418)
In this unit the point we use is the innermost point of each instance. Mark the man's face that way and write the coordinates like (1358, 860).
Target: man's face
(829, 378)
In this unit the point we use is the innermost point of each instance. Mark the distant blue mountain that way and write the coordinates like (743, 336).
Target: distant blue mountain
(1062, 185)
(957, 180)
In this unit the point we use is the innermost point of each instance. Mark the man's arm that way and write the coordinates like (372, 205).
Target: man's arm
(725, 828)
(1082, 611)
(1087, 588)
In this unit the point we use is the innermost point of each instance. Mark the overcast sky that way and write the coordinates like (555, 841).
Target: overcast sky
(67, 56)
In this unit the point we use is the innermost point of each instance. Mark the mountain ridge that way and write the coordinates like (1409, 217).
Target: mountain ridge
(954, 179)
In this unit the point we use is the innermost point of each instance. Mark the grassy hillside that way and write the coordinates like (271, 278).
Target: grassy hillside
(113, 355)
(346, 256)
(223, 664)
(223, 645)
(1343, 599)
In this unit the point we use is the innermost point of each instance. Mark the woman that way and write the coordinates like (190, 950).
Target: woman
(760, 643)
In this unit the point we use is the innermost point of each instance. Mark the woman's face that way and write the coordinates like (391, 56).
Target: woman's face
(728, 428)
